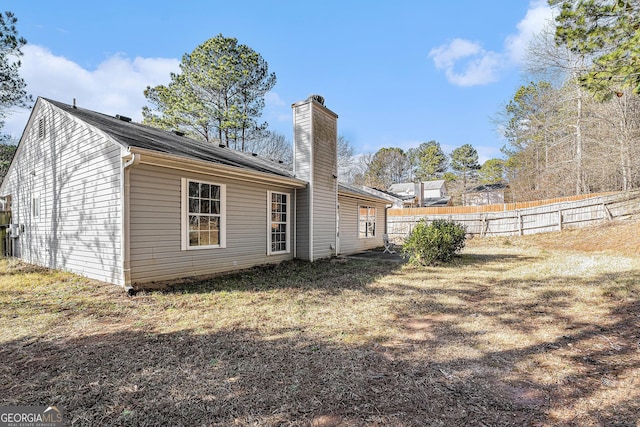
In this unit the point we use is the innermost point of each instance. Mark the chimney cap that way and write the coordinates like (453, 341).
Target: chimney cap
(317, 98)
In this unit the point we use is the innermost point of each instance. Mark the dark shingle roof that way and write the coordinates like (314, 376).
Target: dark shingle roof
(130, 134)
(486, 188)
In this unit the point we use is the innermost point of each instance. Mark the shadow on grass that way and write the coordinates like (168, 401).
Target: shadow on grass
(240, 376)
(329, 274)
(597, 361)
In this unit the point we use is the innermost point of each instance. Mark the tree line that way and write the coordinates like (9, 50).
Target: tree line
(574, 128)
(426, 162)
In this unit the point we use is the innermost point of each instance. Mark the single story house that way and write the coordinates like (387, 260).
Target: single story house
(421, 193)
(130, 204)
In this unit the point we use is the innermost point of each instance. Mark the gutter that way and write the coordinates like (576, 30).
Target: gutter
(171, 161)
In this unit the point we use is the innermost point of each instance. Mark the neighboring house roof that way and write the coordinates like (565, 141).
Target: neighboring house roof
(437, 201)
(403, 188)
(486, 188)
(130, 134)
(406, 188)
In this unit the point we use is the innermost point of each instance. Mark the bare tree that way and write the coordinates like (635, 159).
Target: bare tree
(546, 58)
(346, 165)
(273, 146)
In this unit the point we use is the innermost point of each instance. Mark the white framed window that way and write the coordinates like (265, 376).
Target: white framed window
(366, 222)
(204, 219)
(278, 211)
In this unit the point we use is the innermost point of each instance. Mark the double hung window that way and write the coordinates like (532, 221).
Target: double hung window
(204, 219)
(278, 221)
(366, 222)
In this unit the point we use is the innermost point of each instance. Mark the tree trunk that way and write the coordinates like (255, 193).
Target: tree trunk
(578, 162)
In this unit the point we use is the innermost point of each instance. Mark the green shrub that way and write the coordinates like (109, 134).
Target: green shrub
(435, 242)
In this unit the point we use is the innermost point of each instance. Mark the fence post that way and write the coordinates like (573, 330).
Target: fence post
(607, 212)
(559, 219)
(519, 223)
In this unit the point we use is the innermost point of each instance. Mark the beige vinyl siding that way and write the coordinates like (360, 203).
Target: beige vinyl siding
(155, 232)
(302, 224)
(302, 138)
(75, 172)
(302, 170)
(349, 241)
(324, 182)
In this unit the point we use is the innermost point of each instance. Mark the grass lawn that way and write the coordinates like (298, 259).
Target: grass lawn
(534, 330)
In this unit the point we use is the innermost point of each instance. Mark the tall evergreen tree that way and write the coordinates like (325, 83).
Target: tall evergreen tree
(428, 161)
(464, 160)
(13, 91)
(608, 31)
(7, 151)
(492, 172)
(218, 95)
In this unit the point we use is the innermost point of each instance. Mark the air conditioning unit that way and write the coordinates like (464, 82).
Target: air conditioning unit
(13, 231)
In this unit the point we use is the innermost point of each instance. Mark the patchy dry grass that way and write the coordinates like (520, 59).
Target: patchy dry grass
(538, 330)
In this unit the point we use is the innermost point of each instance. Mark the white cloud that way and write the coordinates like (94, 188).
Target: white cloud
(115, 87)
(467, 63)
(537, 17)
(446, 56)
(478, 65)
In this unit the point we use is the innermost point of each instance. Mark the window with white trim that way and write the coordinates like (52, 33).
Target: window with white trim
(203, 215)
(278, 223)
(366, 222)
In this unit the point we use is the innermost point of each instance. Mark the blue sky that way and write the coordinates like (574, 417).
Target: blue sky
(396, 73)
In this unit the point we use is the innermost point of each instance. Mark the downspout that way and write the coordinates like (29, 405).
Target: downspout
(295, 223)
(131, 160)
(386, 218)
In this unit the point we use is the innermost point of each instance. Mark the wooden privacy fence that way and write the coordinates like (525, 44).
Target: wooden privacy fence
(537, 219)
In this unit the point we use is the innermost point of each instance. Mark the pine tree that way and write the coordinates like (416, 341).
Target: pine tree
(218, 96)
(13, 91)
